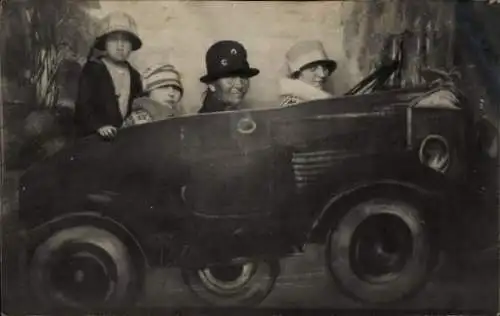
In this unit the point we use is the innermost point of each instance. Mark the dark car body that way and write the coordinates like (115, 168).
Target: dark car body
(243, 183)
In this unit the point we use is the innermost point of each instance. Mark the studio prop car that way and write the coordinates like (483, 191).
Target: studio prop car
(224, 196)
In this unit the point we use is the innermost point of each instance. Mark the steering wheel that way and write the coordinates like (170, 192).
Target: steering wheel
(376, 79)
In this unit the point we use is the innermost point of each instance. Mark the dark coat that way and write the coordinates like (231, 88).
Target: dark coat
(97, 104)
(212, 104)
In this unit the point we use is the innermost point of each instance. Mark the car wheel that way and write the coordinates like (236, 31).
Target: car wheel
(83, 267)
(233, 285)
(379, 251)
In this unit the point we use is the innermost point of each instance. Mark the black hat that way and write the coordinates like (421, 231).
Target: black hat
(227, 58)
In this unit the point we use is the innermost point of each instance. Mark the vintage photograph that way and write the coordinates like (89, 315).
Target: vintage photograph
(263, 156)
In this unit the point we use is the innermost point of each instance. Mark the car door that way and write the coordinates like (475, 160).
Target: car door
(233, 165)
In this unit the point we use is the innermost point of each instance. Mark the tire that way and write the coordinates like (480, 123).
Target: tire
(60, 264)
(384, 262)
(246, 285)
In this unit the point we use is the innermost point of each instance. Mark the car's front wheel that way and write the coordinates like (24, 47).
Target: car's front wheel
(379, 251)
(235, 284)
(83, 267)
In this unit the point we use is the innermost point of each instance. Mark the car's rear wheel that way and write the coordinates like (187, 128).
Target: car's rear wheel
(83, 267)
(379, 250)
(233, 284)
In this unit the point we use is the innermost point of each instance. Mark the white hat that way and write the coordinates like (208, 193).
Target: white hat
(161, 75)
(117, 22)
(306, 53)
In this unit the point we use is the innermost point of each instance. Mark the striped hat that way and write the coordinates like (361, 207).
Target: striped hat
(162, 75)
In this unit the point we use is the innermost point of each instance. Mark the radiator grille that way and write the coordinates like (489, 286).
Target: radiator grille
(309, 166)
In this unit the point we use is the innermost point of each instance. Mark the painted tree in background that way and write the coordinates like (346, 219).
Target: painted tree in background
(39, 39)
(38, 36)
(369, 24)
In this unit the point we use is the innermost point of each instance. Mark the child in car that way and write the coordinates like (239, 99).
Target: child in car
(108, 84)
(163, 92)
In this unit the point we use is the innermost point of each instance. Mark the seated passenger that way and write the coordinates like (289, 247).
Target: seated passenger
(227, 78)
(309, 67)
(163, 92)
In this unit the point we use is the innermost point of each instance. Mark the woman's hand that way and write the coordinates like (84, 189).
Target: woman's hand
(107, 131)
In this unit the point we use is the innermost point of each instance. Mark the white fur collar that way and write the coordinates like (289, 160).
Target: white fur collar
(302, 90)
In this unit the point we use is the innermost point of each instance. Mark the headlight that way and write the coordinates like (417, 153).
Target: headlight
(435, 153)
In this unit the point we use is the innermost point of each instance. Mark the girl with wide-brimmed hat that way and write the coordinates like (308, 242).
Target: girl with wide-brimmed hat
(108, 83)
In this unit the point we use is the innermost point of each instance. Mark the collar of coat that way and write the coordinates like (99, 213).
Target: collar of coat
(301, 90)
(100, 61)
(212, 104)
(157, 110)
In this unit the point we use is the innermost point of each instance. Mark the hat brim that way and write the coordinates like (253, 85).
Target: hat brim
(330, 64)
(100, 42)
(244, 73)
(167, 83)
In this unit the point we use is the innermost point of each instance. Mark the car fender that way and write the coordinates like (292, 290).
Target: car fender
(34, 236)
(433, 199)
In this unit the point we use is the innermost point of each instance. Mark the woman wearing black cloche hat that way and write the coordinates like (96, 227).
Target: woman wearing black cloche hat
(227, 77)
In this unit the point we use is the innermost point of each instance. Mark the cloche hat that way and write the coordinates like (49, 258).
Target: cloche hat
(227, 58)
(117, 22)
(307, 53)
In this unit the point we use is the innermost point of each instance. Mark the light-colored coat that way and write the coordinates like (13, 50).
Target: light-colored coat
(294, 91)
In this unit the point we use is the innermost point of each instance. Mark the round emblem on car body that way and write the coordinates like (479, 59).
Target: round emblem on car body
(246, 126)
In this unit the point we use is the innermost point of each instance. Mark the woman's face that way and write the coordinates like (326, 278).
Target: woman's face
(230, 90)
(167, 96)
(118, 46)
(315, 75)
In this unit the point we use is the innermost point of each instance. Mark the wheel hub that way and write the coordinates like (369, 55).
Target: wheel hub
(382, 245)
(81, 277)
(227, 278)
(226, 274)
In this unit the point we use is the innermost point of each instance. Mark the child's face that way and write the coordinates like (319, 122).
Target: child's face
(167, 96)
(118, 46)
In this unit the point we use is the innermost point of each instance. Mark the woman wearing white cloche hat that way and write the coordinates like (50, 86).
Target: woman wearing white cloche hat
(308, 69)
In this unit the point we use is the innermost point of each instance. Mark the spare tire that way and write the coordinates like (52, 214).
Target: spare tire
(379, 251)
(233, 285)
(83, 267)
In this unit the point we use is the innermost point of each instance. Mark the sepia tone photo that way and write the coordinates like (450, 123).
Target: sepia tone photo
(260, 157)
